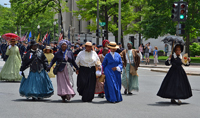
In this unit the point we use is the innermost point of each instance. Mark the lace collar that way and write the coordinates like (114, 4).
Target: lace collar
(175, 56)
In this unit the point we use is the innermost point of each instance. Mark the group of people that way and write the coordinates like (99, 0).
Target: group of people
(115, 65)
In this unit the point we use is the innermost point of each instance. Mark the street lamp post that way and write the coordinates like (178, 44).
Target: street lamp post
(54, 24)
(79, 18)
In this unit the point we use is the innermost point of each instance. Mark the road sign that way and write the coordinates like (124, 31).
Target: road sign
(102, 23)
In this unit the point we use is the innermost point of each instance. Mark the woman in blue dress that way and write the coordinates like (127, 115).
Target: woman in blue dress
(112, 66)
(38, 84)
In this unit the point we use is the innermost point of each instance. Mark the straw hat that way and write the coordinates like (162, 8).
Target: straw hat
(48, 48)
(113, 45)
(88, 44)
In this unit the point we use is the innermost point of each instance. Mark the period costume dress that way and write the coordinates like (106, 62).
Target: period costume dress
(100, 85)
(86, 79)
(129, 81)
(64, 76)
(49, 57)
(11, 68)
(175, 84)
(38, 84)
(112, 85)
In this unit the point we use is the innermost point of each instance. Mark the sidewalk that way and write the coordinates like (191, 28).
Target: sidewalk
(190, 70)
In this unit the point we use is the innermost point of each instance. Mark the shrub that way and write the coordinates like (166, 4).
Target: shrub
(195, 49)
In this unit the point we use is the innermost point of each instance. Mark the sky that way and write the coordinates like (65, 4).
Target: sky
(4, 1)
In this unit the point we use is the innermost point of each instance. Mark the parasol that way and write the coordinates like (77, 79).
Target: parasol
(9, 36)
(173, 40)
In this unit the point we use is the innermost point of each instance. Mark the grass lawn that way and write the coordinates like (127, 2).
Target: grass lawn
(193, 59)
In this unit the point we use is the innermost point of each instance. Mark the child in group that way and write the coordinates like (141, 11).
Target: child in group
(175, 85)
(155, 55)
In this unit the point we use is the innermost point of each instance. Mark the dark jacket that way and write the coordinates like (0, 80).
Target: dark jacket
(59, 57)
(37, 62)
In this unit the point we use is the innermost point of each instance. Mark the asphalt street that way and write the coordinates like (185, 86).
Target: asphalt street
(142, 104)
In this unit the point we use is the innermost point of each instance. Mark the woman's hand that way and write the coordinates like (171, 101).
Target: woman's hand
(114, 68)
(189, 59)
(99, 68)
(77, 72)
(170, 56)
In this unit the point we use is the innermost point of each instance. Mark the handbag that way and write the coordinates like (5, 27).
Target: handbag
(132, 68)
(55, 70)
(102, 78)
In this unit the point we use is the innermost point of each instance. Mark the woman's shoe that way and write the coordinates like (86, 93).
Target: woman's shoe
(179, 102)
(101, 95)
(130, 93)
(173, 101)
(125, 92)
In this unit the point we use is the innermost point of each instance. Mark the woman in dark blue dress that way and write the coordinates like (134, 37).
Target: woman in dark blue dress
(175, 85)
(112, 66)
(38, 84)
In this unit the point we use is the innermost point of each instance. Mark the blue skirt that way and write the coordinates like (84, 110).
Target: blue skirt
(37, 85)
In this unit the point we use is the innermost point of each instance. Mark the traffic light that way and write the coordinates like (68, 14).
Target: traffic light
(175, 11)
(104, 33)
(97, 33)
(183, 9)
(180, 30)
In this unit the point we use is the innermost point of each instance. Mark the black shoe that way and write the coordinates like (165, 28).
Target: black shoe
(125, 92)
(173, 101)
(101, 95)
(130, 93)
(146, 64)
(33, 98)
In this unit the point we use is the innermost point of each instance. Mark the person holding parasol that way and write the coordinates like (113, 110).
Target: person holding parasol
(10, 70)
(175, 85)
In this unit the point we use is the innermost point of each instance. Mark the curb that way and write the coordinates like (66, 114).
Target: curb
(165, 71)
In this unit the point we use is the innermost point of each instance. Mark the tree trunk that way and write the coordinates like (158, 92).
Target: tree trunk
(122, 37)
(140, 40)
(115, 33)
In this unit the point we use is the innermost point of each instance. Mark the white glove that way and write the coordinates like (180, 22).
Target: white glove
(20, 73)
(9, 46)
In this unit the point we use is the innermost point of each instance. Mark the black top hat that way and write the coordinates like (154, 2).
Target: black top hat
(33, 43)
(181, 46)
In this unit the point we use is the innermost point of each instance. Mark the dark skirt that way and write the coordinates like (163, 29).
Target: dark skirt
(175, 84)
(86, 82)
(37, 85)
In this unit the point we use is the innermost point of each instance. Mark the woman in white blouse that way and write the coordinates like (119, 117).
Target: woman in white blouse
(86, 80)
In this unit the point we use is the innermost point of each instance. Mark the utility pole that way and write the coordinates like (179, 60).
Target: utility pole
(119, 23)
(97, 41)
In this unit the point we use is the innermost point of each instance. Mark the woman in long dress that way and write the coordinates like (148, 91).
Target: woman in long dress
(112, 66)
(11, 68)
(130, 57)
(38, 84)
(48, 52)
(86, 80)
(64, 75)
(175, 85)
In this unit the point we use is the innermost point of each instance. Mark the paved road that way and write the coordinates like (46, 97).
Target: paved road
(142, 104)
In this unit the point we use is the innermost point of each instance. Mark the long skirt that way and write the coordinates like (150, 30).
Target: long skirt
(37, 85)
(86, 82)
(129, 82)
(99, 87)
(64, 84)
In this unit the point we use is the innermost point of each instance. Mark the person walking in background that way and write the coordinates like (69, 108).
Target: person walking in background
(38, 84)
(175, 85)
(10, 70)
(112, 66)
(104, 44)
(65, 82)
(146, 53)
(100, 85)
(130, 76)
(141, 51)
(155, 55)
(150, 49)
(120, 49)
(48, 52)
(86, 79)
(166, 49)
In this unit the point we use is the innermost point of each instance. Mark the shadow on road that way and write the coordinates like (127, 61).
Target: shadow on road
(166, 104)
(60, 101)
(10, 81)
(30, 100)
